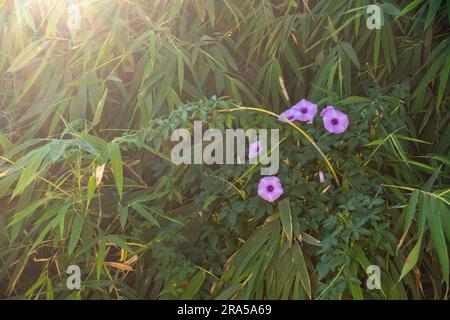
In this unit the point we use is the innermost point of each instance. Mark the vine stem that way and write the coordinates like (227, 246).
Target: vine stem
(300, 130)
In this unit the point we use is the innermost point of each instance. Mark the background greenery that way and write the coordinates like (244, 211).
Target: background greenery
(85, 172)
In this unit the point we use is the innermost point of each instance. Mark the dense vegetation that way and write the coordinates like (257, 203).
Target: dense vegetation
(86, 178)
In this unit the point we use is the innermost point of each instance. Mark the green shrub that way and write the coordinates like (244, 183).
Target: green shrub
(85, 171)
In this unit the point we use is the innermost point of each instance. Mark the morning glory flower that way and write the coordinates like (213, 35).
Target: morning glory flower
(270, 188)
(255, 149)
(334, 120)
(325, 110)
(321, 176)
(290, 114)
(307, 110)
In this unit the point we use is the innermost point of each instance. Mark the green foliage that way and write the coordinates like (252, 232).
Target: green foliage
(86, 178)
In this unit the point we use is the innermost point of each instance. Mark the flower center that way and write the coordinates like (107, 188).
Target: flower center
(290, 117)
(303, 110)
(257, 149)
(270, 188)
(334, 122)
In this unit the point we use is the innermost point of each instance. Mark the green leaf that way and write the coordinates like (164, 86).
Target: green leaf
(91, 188)
(123, 215)
(142, 210)
(76, 232)
(194, 285)
(39, 282)
(49, 293)
(355, 100)
(355, 287)
(443, 82)
(348, 49)
(30, 171)
(208, 201)
(310, 239)
(432, 10)
(5, 143)
(228, 292)
(300, 263)
(119, 241)
(28, 54)
(411, 260)
(410, 214)
(410, 7)
(180, 72)
(116, 163)
(286, 218)
(100, 257)
(23, 214)
(438, 237)
(99, 109)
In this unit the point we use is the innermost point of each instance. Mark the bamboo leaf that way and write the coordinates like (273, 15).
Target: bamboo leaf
(286, 217)
(123, 215)
(99, 109)
(116, 163)
(438, 237)
(409, 214)
(194, 286)
(30, 171)
(100, 257)
(76, 232)
(411, 260)
(27, 55)
(145, 213)
(300, 263)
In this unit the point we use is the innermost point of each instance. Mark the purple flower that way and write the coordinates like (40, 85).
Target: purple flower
(321, 176)
(290, 114)
(270, 188)
(334, 120)
(307, 110)
(255, 149)
(325, 110)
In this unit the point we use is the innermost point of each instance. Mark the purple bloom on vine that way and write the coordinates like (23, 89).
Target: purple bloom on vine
(255, 149)
(290, 114)
(307, 110)
(321, 176)
(325, 110)
(270, 188)
(334, 120)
